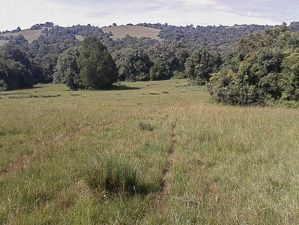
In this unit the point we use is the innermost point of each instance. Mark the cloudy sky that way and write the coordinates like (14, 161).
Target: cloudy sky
(25, 13)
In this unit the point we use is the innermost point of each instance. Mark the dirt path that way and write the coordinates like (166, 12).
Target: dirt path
(169, 161)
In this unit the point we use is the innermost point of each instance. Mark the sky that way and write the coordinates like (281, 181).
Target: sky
(25, 13)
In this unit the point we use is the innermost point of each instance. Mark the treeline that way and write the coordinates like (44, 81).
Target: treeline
(258, 69)
(212, 37)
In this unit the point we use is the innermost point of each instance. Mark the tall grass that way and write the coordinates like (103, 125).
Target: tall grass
(100, 157)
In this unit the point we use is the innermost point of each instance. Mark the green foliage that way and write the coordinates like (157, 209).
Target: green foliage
(114, 176)
(201, 65)
(160, 71)
(290, 77)
(134, 65)
(97, 68)
(15, 69)
(266, 70)
(168, 58)
(67, 70)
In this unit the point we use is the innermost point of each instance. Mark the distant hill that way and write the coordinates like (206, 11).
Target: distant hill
(3, 42)
(29, 35)
(119, 32)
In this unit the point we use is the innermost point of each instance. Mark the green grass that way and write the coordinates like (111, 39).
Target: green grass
(103, 157)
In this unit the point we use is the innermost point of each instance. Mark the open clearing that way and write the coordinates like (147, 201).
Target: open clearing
(3, 42)
(29, 35)
(188, 160)
(133, 31)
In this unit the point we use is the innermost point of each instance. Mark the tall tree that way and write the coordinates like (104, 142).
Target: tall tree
(135, 65)
(97, 68)
(67, 70)
(15, 69)
(200, 66)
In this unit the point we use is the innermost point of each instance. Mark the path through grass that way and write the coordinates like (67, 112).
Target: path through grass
(129, 156)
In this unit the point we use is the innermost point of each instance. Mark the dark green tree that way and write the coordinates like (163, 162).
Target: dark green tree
(67, 70)
(290, 77)
(135, 65)
(200, 66)
(97, 68)
(15, 69)
(160, 71)
(266, 70)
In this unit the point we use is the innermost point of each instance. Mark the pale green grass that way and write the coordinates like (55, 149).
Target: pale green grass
(231, 165)
(133, 31)
(29, 35)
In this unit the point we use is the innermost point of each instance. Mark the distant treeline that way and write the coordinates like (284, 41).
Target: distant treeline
(212, 55)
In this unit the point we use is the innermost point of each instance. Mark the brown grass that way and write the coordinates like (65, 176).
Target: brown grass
(29, 35)
(133, 31)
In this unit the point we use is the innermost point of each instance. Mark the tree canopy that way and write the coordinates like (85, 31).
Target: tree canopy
(265, 69)
(15, 69)
(97, 68)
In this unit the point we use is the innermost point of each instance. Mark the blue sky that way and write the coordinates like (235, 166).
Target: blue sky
(25, 13)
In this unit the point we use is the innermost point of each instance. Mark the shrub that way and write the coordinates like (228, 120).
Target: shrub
(146, 126)
(115, 176)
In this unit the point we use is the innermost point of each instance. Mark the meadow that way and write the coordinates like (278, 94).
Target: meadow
(119, 32)
(29, 35)
(145, 153)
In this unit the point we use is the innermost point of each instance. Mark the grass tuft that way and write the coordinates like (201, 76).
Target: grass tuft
(145, 126)
(115, 176)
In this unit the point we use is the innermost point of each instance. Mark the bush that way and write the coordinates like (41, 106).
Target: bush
(146, 126)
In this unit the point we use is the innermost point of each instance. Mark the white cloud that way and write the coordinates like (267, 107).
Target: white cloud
(25, 13)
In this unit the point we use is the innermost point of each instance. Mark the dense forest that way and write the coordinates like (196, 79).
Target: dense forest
(241, 64)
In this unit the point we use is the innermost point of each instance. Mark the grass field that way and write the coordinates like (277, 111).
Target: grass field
(3, 42)
(145, 153)
(29, 35)
(134, 31)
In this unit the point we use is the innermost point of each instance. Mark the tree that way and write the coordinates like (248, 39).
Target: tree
(67, 70)
(266, 70)
(290, 77)
(200, 66)
(160, 71)
(97, 68)
(135, 65)
(164, 61)
(15, 69)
